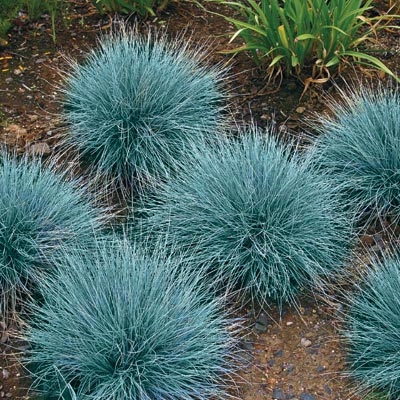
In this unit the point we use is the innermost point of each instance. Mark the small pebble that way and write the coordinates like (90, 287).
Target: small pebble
(320, 368)
(260, 328)
(247, 345)
(278, 353)
(263, 319)
(289, 323)
(277, 394)
(327, 389)
(306, 396)
(289, 368)
(39, 149)
(6, 373)
(305, 342)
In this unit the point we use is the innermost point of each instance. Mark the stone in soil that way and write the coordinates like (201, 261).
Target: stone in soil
(305, 342)
(262, 323)
(39, 149)
(306, 396)
(5, 373)
(277, 394)
(278, 353)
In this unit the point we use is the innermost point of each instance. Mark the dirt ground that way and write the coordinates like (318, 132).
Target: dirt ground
(297, 355)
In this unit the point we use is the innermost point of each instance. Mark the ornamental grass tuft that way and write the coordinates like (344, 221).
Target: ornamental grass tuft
(132, 106)
(359, 150)
(124, 324)
(372, 330)
(40, 212)
(258, 218)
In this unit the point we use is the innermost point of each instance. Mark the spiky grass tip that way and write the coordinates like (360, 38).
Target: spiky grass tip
(372, 330)
(134, 103)
(359, 149)
(123, 324)
(256, 216)
(40, 212)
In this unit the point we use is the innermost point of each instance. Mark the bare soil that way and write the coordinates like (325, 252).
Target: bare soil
(290, 355)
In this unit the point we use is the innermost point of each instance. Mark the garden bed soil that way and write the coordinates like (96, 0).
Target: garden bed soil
(295, 355)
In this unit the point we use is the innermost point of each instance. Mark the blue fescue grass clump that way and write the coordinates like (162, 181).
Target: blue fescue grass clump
(372, 330)
(359, 149)
(124, 324)
(40, 212)
(134, 103)
(258, 217)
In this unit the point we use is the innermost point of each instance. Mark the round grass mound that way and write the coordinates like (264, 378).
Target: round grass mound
(372, 330)
(359, 150)
(40, 212)
(134, 103)
(124, 324)
(252, 213)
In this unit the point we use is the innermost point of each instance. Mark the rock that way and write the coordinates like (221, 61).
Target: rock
(277, 394)
(288, 368)
(263, 319)
(306, 396)
(305, 342)
(39, 149)
(260, 328)
(246, 345)
(262, 323)
(300, 110)
(327, 389)
(17, 72)
(271, 363)
(278, 353)
(320, 368)
(5, 373)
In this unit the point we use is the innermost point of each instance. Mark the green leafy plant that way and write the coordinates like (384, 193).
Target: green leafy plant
(259, 219)
(291, 35)
(141, 7)
(135, 103)
(372, 330)
(359, 150)
(124, 324)
(8, 11)
(39, 212)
